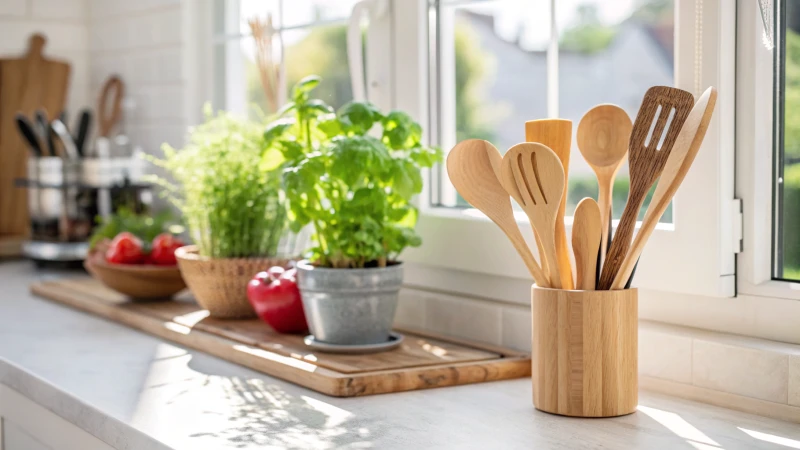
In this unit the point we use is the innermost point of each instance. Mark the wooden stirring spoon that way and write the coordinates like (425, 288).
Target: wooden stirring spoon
(680, 159)
(660, 118)
(556, 134)
(586, 232)
(533, 175)
(470, 166)
(603, 135)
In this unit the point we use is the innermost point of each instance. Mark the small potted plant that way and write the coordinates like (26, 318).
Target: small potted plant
(350, 175)
(228, 190)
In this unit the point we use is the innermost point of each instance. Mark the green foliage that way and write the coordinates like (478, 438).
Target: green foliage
(580, 187)
(588, 35)
(472, 68)
(792, 96)
(354, 188)
(229, 188)
(144, 226)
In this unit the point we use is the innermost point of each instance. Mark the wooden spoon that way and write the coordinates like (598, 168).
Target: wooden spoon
(603, 135)
(470, 166)
(646, 159)
(586, 234)
(557, 135)
(678, 163)
(533, 175)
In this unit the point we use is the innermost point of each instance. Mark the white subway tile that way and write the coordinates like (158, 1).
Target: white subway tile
(60, 36)
(410, 309)
(739, 370)
(13, 8)
(665, 355)
(59, 9)
(794, 380)
(464, 318)
(516, 326)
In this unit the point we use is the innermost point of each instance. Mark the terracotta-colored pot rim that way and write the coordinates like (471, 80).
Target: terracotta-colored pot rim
(190, 253)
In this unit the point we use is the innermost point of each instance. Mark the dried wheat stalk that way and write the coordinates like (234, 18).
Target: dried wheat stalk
(269, 70)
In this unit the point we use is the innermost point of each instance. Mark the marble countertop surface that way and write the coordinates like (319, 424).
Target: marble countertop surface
(134, 391)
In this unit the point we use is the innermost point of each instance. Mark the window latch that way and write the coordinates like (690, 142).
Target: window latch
(737, 225)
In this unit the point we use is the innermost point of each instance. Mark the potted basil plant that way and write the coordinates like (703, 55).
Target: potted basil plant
(227, 187)
(351, 176)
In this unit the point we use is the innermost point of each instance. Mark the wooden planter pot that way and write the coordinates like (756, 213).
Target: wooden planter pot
(585, 351)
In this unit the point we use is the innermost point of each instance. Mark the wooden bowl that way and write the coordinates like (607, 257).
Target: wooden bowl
(139, 282)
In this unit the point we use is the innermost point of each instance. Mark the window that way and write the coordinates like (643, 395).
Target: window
(495, 71)
(310, 38)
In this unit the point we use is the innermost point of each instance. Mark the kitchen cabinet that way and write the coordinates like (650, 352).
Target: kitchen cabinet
(25, 425)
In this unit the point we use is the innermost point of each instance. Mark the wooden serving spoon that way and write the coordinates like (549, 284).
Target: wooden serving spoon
(586, 234)
(533, 175)
(603, 135)
(470, 166)
(556, 134)
(650, 145)
(678, 163)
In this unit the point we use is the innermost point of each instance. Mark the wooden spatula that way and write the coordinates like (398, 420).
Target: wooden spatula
(470, 166)
(556, 134)
(603, 135)
(661, 116)
(586, 232)
(680, 159)
(533, 175)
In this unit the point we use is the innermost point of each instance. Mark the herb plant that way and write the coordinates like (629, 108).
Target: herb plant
(353, 184)
(144, 226)
(228, 188)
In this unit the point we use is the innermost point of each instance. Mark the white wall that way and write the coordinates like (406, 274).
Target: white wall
(143, 42)
(64, 24)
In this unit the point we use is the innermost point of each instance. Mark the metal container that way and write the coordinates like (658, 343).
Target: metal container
(349, 306)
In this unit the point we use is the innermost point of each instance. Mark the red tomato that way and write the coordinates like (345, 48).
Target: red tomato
(164, 246)
(125, 249)
(276, 299)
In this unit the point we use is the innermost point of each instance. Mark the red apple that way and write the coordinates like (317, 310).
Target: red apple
(276, 299)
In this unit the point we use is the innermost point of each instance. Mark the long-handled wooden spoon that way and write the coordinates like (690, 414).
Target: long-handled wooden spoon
(603, 135)
(661, 116)
(470, 166)
(678, 163)
(533, 175)
(556, 134)
(586, 231)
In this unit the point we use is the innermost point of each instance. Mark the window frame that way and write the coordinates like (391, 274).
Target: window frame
(458, 242)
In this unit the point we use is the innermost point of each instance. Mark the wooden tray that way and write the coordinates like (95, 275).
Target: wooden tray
(423, 361)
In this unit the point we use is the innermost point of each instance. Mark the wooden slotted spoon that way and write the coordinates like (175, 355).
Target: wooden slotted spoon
(533, 175)
(650, 145)
(678, 163)
(471, 168)
(603, 135)
(586, 232)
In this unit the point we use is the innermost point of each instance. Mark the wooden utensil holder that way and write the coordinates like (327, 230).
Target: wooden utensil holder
(585, 351)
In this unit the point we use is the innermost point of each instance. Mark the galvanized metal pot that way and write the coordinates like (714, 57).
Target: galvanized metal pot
(349, 306)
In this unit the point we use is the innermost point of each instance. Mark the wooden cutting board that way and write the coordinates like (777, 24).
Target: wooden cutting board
(422, 361)
(26, 83)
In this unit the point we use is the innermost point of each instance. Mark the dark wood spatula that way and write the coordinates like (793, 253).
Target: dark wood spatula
(660, 118)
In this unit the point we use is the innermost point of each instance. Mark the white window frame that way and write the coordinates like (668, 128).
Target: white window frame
(755, 159)
(464, 252)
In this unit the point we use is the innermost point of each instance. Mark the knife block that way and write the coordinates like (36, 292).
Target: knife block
(585, 351)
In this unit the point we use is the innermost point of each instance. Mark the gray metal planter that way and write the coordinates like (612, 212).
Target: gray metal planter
(349, 306)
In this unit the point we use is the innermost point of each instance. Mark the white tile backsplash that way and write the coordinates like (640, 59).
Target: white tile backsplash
(794, 380)
(13, 8)
(463, 318)
(516, 328)
(665, 355)
(410, 309)
(60, 9)
(740, 370)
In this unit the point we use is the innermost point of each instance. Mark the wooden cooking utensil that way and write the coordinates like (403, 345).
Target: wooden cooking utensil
(646, 160)
(533, 175)
(677, 166)
(586, 231)
(603, 135)
(109, 115)
(470, 166)
(27, 82)
(556, 134)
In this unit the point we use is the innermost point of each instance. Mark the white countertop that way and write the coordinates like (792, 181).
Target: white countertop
(134, 391)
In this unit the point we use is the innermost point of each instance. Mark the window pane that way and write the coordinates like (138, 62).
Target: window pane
(492, 72)
(305, 12)
(787, 188)
(610, 52)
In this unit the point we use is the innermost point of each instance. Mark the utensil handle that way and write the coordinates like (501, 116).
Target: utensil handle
(622, 239)
(527, 257)
(604, 200)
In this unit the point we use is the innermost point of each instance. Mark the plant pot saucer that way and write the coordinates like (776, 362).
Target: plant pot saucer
(395, 339)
